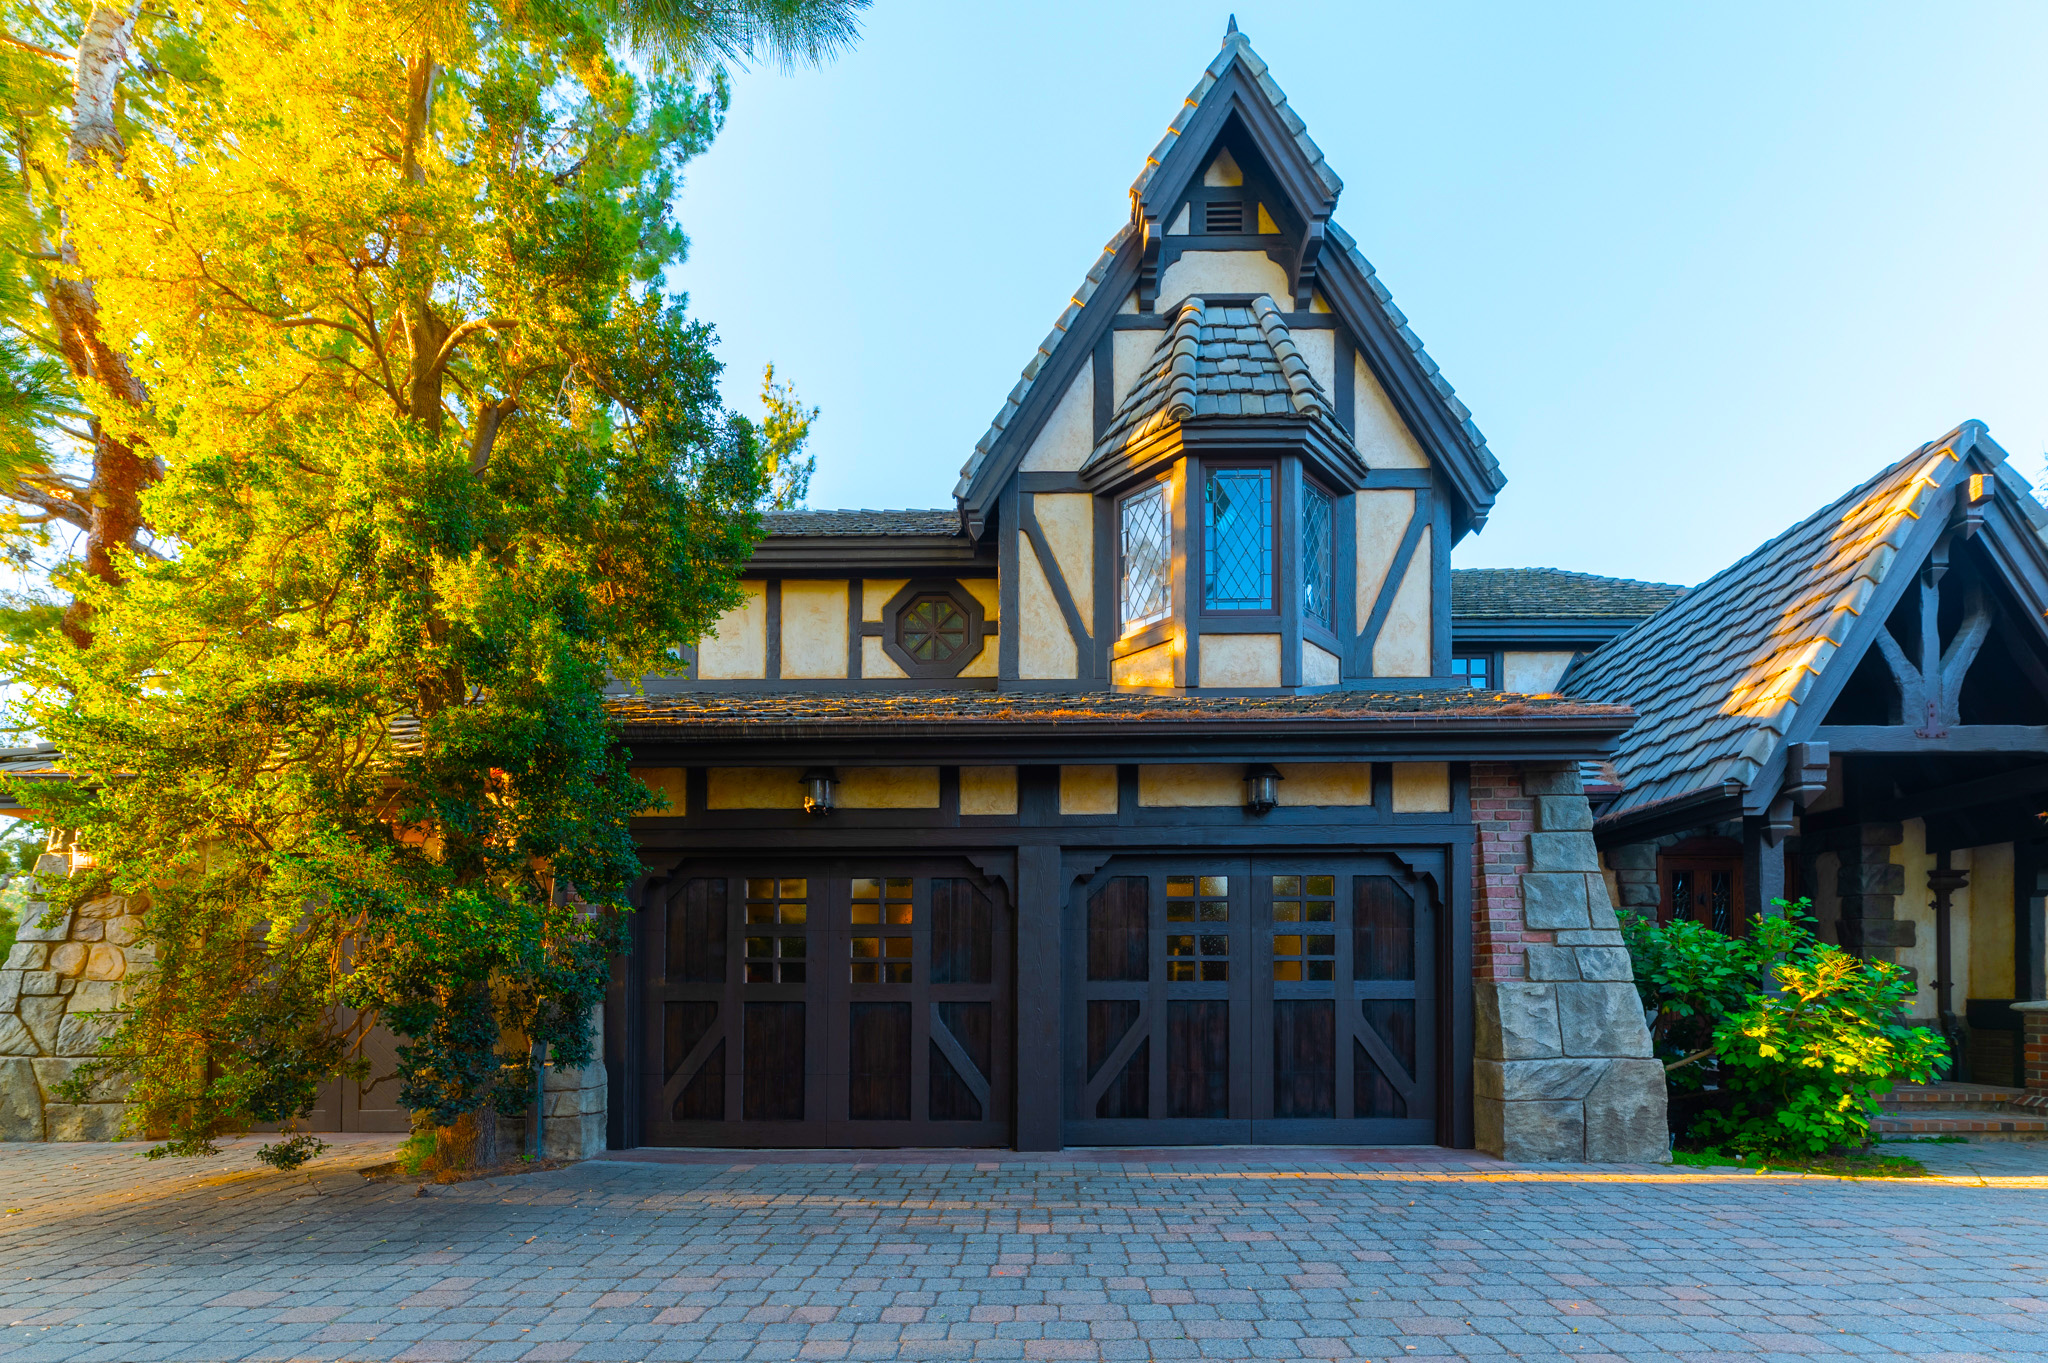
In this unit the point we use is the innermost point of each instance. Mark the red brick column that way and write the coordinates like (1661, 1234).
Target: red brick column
(1504, 818)
(2034, 1017)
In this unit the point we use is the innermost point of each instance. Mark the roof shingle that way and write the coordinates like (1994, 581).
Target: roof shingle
(938, 521)
(1719, 675)
(1554, 594)
(1220, 359)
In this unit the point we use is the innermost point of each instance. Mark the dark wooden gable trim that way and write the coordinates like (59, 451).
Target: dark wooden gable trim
(2015, 552)
(1236, 92)
(1408, 387)
(1055, 375)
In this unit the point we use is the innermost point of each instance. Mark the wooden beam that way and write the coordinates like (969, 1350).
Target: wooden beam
(1963, 738)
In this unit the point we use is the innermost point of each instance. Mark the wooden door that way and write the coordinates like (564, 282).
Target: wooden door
(863, 1005)
(1701, 879)
(1252, 1000)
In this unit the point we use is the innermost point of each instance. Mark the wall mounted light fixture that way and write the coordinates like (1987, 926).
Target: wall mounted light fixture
(817, 784)
(1261, 788)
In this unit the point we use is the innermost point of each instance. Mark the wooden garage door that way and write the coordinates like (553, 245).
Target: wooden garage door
(803, 1006)
(1284, 1001)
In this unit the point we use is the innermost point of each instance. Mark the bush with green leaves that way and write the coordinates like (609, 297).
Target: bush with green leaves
(1802, 1036)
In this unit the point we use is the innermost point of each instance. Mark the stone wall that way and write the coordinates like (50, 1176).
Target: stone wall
(51, 985)
(1562, 1067)
(57, 977)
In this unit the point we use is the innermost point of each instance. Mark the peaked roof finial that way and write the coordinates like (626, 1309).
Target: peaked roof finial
(1231, 31)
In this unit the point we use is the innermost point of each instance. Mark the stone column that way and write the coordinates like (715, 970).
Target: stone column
(52, 987)
(1869, 886)
(1563, 1068)
(576, 1104)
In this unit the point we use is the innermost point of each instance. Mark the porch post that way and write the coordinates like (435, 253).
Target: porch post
(1944, 880)
(1763, 869)
(1039, 976)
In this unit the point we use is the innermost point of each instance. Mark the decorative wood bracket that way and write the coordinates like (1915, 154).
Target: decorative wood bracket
(1305, 272)
(1806, 777)
(1148, 265)
(1931, 690)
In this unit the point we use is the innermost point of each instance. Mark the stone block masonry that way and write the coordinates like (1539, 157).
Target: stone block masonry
(58, 988)
(1562, 1067)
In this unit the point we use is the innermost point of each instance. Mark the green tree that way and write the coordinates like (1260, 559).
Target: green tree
(389, 454)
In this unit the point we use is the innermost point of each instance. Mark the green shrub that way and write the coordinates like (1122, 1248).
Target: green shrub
(1800, 1035)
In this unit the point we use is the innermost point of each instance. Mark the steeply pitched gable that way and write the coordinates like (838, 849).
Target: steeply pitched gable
(1238, 96)
(1727, 675)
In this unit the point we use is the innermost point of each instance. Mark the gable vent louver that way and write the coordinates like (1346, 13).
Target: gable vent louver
(1223, 219)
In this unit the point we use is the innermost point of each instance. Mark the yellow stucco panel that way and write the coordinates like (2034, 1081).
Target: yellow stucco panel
(988, 790)
(753, 788)
(1238, 660)
(1422, 787)
(1150, 667)
(1989, 949)
(984, 590)
(1403, 648)
(1044, 647)
(1064, 442)
(1068, 520)
(666, 781)
(875, 594)
(876, 664)
(1533, 674)
(1319, 666)
(887, 788)
(1325, 783)
(813, 629)
(737, 647)
(1087, 790)
(1251, 272)
(1191, 785)
(1382, 437)
(1133, 352)
(1382, 518)
(1318, 346)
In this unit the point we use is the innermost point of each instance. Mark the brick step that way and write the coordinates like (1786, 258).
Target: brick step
(2006, 1125)
(1944, 1095)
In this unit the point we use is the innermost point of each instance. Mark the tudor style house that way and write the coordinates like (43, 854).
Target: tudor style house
(1169, 787)
(1857, 713)
(1143, 796)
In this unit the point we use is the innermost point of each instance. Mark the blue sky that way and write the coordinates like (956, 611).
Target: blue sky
(1696, 270)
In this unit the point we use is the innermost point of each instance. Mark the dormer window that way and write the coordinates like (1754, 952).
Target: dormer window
(1145, 551)
(1237, 539)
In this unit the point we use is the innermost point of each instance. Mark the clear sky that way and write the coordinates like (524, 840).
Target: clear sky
(1695, 269)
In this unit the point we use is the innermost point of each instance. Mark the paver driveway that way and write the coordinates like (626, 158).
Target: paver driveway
(109, 1257)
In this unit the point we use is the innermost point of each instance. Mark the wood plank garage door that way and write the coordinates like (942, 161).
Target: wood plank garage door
(808, 1005)
(1217, 1001)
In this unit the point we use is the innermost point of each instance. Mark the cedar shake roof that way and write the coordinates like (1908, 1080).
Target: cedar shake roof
(1718, 676)
(801, 713)
(1554, 594)
(1236, 48)
(940, 521)
(1220, 359)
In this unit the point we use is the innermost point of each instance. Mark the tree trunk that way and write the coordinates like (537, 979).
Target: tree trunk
(470, 1143)
(120, 472)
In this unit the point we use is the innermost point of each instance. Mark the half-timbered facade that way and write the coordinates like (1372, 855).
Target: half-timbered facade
(1136, 798)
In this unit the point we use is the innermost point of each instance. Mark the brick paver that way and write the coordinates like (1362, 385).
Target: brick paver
(1275, 1255)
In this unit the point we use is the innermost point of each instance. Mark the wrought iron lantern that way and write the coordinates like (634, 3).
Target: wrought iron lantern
(1261, 788)
(817, 784)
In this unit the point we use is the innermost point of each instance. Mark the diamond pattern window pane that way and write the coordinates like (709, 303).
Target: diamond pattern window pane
(1238, 540)
(1147, 590)
(1318, 562)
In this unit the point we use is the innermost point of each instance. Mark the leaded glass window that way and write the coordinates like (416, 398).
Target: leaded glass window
(1237, 540)
(1318, 561)
(1146, 593)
